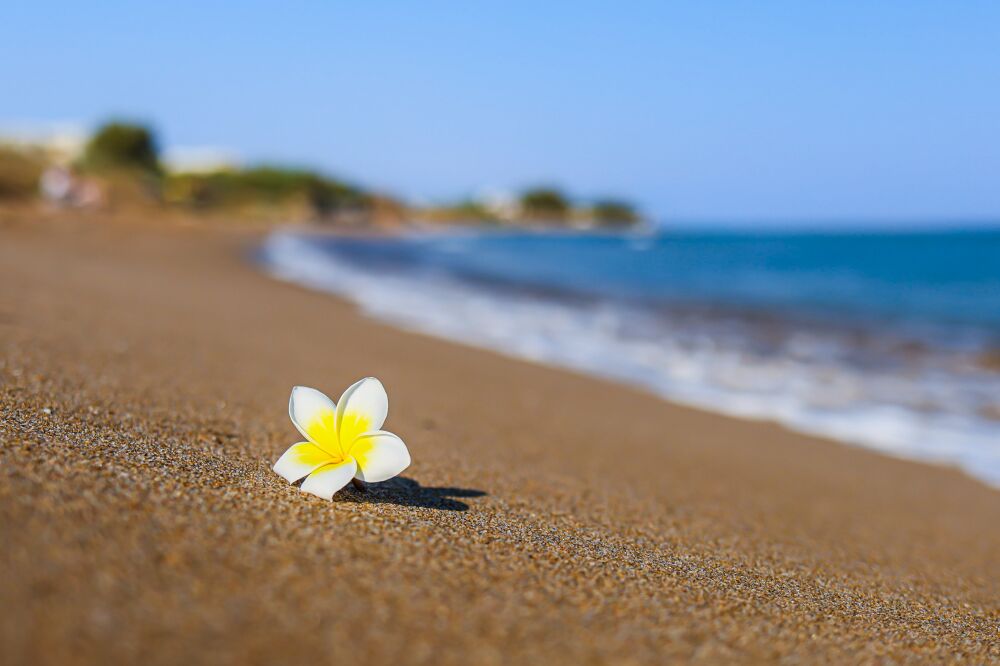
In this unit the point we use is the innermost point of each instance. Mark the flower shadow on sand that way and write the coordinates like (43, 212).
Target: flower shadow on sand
(403, 491)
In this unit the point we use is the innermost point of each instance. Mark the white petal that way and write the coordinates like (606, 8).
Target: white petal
(380, 455)
(299, 460)
(327, 480)
(362, 408)
(315, 416)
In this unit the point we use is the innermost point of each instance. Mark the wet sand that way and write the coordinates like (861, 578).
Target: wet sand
(547, 517)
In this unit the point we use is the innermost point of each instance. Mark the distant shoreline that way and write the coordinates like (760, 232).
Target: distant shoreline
(906, 388)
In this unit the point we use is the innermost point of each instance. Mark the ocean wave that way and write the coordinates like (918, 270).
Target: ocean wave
(873, 391)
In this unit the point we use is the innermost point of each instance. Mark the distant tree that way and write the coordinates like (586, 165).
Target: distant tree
(277, 184)
(269, 186)
(122, 146)
(472, 210)
(614, 211)
(544, 202)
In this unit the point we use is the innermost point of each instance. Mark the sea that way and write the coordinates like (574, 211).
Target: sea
(889, 341)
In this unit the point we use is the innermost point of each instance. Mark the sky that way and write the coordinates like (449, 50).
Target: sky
(733, 112)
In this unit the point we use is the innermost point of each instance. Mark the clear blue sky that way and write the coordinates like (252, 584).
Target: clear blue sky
(788, 111)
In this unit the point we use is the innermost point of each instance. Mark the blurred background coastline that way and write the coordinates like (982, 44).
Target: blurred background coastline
(119, 166)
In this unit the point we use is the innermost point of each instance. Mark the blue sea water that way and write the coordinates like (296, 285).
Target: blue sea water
(890, 341)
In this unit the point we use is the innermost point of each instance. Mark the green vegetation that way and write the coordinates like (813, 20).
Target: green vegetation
(124, 151)
(264, 187)
(121, 164)
(464, 212)
(544, 203)
(472, 210)
(121, 146)
(614, 212)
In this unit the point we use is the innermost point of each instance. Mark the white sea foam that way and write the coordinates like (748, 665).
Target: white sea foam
(931, 416)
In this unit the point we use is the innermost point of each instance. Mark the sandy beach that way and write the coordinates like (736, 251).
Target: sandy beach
(547, 517)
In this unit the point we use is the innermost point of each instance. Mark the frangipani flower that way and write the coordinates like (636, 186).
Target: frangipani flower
(345, 441)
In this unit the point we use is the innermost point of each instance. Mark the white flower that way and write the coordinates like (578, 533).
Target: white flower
(345, 441)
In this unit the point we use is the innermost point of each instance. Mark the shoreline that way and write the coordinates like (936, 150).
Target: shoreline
(547, 515)
(964, 443)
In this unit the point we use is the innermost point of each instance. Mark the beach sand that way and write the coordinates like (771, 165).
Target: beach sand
(547, 517)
